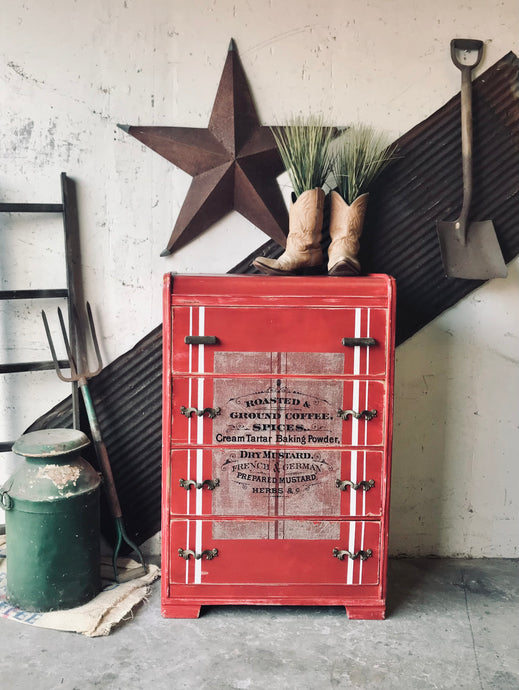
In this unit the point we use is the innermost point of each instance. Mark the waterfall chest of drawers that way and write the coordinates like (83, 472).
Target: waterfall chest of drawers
(277, 435)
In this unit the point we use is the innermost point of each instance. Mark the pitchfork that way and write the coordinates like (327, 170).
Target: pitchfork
(102, 455)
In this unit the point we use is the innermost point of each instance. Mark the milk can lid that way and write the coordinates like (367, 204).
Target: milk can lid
(48, 443)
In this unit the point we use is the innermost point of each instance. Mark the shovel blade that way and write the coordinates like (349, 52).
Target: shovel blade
(479, 257)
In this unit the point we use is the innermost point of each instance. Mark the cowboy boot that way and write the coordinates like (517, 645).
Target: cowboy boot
(346, 223)
(303, 253)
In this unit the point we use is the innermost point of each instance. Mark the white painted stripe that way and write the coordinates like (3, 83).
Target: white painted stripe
(351, 549)
(188, 476)
(354, 441)
(356, 349)
(189, 431)
(190, 332)
(356, 372)
(198, 549)
(189, 423)
(355, 406)
(200, 405)
(201, 331)
(201, 370)
(366, 404)
(199, 479)
(190, 394)
(187, 547)
(361, 563)
(199, 440)
(366, 478)
(364, 493)
(353, 478)
(368, 329)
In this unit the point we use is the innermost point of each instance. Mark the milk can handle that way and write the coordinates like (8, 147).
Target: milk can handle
(5, 500)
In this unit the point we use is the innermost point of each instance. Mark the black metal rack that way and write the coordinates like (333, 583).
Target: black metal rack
(68, 209)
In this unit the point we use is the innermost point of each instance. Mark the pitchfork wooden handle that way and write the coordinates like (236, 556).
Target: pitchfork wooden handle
(109, 484)
(101, 453)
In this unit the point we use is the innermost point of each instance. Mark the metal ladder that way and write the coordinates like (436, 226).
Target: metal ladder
(68, 209)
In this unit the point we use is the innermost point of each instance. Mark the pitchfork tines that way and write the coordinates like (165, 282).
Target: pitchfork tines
(75, 375)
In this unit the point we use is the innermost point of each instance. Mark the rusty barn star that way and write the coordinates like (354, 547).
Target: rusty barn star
(234, 163)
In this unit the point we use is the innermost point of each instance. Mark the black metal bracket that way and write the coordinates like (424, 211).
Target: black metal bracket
(201, 340)
(362, 342)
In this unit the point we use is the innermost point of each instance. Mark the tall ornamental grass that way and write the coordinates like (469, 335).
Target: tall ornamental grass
(304, 146)
(361, 154)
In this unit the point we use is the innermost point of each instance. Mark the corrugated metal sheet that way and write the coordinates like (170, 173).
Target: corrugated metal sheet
(422, 186)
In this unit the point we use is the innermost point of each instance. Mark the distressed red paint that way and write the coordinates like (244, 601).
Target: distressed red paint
(252, 426)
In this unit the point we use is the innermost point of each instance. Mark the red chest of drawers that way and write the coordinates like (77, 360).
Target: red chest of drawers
(277, 428)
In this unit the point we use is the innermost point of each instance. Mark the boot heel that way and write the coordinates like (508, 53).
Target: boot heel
(345, 267)
(312, 270)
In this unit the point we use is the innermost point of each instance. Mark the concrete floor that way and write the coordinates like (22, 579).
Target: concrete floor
(451, 624)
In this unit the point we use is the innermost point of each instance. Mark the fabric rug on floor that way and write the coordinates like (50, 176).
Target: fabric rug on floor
(113, 605)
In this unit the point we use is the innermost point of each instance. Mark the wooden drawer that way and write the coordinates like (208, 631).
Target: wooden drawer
(296, 552)
(280, 340)
(262, 411)
(276, 481)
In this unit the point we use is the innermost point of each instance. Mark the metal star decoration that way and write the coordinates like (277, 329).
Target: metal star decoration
(234, 163)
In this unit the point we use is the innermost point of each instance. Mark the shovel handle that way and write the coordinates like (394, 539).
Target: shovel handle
(469, 45)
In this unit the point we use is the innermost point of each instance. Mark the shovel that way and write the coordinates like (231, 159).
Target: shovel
(469, 249)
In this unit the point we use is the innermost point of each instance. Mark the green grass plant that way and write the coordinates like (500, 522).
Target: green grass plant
(304, 146)
(360, 155)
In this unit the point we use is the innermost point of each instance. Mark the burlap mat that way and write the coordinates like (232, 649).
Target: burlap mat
(113, 605)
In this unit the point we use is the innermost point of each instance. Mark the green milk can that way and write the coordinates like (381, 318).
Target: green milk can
(52, 523)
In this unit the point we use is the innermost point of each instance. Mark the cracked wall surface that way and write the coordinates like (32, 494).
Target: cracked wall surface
(70, 72)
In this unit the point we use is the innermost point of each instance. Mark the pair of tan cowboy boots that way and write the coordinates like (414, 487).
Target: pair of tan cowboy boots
(303, 253)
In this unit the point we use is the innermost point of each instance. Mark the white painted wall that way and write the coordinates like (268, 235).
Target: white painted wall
(70, 71)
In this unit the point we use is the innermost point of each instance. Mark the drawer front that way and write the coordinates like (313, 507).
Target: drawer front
(276, 481)
(280, 340)
(296, 412)
(296, 552)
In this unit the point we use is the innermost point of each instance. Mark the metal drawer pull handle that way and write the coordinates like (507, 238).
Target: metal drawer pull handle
(353, 342)
(210, 483)
(363, 555)
(211, 412)
(208, 553)
(365, 485)
(367, 414)
(201, 340)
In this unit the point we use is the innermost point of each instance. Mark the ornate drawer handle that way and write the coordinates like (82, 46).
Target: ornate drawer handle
(363, 342)
(201, 340)
(365, 485)
(211, 412)
(367, 414)
(210, 483)
(208, 553)
(363, 555)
